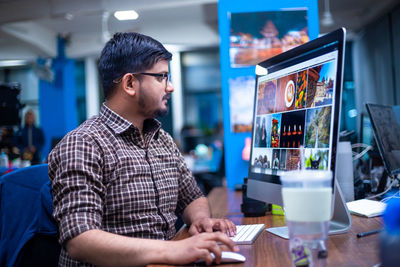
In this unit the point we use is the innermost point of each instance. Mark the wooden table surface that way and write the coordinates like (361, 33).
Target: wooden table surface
(270, 250)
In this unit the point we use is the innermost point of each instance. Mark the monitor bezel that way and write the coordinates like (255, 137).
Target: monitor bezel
(256, 180)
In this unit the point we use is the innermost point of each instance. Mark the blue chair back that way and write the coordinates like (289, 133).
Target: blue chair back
(25, 212)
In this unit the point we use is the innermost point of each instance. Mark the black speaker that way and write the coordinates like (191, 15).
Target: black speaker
(251, 207)
(10, 105)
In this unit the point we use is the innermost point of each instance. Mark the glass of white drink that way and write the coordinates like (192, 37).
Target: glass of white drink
(307, 201)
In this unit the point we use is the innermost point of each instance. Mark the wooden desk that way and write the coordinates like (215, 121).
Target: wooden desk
(270, 250)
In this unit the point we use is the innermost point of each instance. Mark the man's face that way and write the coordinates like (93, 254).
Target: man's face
(29, 118)
(155, 91)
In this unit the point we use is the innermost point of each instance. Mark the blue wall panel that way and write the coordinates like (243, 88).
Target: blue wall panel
(236, 168)
(57, 101)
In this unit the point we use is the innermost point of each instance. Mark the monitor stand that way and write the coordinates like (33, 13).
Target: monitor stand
(339, 224)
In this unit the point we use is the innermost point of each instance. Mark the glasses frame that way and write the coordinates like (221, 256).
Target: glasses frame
(166, 76)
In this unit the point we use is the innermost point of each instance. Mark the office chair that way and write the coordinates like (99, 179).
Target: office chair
(28, 233)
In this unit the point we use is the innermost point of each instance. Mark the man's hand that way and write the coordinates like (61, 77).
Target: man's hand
(199, 247)
(197, 214)
(210, 225)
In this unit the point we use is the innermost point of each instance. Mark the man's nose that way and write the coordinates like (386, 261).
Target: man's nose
(170, 87)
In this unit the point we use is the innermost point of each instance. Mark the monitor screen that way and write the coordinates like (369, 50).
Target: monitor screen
(297, 104)
(386, 127)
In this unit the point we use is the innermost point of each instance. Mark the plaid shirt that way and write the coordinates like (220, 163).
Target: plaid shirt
(106, 176)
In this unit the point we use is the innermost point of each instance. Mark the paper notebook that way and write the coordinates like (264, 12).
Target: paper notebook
(366, 207)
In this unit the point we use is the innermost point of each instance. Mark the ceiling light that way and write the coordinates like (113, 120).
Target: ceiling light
(126, 15)
(69, 16)
(105, 33)
(327, 18)
(13, 63)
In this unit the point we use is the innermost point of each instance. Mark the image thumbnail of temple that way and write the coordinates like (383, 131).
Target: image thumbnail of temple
(318, 92)
(324, 92)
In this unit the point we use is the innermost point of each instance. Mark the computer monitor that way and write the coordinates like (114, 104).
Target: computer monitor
(386, 126)
(297, 104)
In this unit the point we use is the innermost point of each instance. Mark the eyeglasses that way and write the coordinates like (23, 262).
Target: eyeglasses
(160, 76)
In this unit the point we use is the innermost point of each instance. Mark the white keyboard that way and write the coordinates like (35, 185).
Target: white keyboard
(246, 234)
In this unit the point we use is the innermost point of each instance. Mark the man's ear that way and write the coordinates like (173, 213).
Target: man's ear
(130, 84)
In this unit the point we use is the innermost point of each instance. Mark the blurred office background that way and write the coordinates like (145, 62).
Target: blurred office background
(36, 35)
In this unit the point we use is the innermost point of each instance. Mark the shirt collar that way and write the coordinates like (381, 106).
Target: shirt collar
(119, 124)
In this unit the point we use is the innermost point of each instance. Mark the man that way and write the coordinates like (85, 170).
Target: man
(118, 179)
(31, 139)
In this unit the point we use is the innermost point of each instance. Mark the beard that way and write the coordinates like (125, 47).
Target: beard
(161, 112)
(146, 108)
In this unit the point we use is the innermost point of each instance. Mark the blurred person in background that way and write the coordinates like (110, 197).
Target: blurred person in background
(30, 139)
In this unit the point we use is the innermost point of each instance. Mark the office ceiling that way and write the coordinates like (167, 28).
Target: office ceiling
(28, 27)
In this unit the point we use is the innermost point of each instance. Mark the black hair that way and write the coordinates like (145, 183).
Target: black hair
(128, 53)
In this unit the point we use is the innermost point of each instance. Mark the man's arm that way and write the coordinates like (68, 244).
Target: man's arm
(106, 249)
(194, 206)
(197, 209)
(197, 214)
